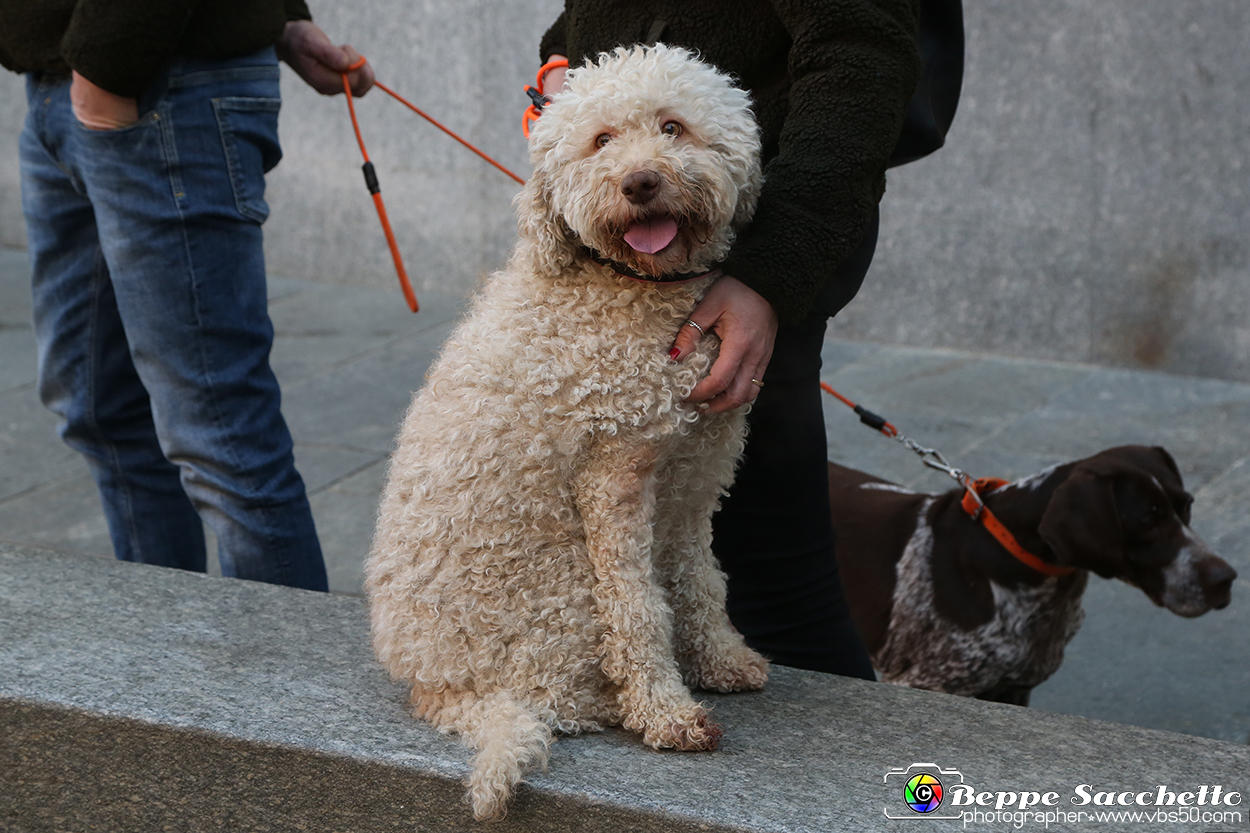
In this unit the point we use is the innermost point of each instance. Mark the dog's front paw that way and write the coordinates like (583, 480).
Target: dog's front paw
(673, 724)
(690, 731)
(738, 669)
(698, 735)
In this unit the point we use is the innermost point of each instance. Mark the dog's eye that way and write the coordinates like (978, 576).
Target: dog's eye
(1185, 508)
(672, 128)
(602, 139)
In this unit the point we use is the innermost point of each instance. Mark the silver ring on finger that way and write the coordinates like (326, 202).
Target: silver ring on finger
(702, 332)
(757, 383)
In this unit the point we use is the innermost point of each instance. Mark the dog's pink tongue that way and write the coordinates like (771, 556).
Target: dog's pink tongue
(651, 235)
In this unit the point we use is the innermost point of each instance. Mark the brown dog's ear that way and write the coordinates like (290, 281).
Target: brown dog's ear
(1167, 460)
(551, 245)
(1082, 524)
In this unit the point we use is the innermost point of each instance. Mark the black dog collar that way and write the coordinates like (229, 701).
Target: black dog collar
(626, 272)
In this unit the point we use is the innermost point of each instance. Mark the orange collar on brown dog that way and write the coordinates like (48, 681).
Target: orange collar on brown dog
(974, 505)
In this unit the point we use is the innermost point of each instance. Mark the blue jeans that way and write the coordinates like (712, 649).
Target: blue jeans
(151, 317)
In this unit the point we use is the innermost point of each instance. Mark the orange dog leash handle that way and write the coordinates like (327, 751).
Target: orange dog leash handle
(538, 96)
(371, 182)
(375, 190)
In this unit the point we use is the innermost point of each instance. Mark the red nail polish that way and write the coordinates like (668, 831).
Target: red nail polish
(673, 354)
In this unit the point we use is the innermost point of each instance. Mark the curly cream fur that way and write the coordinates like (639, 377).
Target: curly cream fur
(542, 557)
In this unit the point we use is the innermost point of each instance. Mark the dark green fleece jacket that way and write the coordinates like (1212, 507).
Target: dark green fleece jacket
(122, 45)
(830, 80)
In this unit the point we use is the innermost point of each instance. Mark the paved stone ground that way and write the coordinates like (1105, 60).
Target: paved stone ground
(348, 358)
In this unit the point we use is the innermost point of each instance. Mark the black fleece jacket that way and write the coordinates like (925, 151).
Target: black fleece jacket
(122, 45)
(830, 80)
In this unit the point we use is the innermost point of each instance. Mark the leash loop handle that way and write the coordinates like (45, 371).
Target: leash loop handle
(371, 174)
(538, 96)
(375, 190)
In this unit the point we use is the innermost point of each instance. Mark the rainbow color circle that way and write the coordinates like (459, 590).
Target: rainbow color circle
(923, 793)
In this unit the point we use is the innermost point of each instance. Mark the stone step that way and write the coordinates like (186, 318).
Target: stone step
(135, 698)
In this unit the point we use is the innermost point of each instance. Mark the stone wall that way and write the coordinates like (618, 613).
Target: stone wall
(1092, 204)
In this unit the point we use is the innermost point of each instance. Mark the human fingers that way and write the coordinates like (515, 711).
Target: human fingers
(744, 388)
(736, 376)
(721, 375)
(747, 327)
(688, 336)
(362, 78)
(308, 51)
(553, 79)
(97, 108)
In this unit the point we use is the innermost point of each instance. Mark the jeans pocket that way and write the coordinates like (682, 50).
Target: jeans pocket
(249, 135)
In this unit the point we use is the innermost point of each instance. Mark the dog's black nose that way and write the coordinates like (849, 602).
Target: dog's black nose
(1217, 578)
(641, 186)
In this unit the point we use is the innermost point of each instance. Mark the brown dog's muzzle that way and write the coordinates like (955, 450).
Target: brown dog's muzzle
(1216, 578)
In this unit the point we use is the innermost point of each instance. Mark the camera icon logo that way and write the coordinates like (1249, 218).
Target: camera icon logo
(923, 793)
(920, 786)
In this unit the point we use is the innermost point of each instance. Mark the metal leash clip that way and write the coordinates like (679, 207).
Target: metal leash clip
(934, 459)
(931, 457)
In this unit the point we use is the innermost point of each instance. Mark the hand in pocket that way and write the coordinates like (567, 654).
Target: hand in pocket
(98, 109)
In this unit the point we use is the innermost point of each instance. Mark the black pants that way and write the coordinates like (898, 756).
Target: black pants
(773, 534)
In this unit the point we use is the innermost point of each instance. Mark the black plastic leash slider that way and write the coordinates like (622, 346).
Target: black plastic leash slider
(540, 100)
(869, 418)
(371, 178)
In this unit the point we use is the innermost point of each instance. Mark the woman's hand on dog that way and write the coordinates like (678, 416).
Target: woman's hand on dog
(747, 327)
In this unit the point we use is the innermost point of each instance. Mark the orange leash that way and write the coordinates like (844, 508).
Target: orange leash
(538, 96)
(371, 176)
(414, 108)
(972, 502)
(865, 416)
(371, 182)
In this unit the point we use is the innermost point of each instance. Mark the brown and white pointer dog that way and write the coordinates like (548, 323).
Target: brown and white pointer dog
(942, 605)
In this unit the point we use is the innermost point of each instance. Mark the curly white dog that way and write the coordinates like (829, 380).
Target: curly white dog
(542, 554)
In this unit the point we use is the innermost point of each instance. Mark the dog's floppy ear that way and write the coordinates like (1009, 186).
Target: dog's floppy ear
(1162, 453)
(1082, 524)
(738, 144)
(551, 245)
(749, 194)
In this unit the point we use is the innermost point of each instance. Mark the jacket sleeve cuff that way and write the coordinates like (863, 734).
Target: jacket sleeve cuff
(555, 41)
(787, 255)
(297, 10)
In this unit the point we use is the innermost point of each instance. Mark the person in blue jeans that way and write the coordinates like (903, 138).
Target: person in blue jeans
(149, 132)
